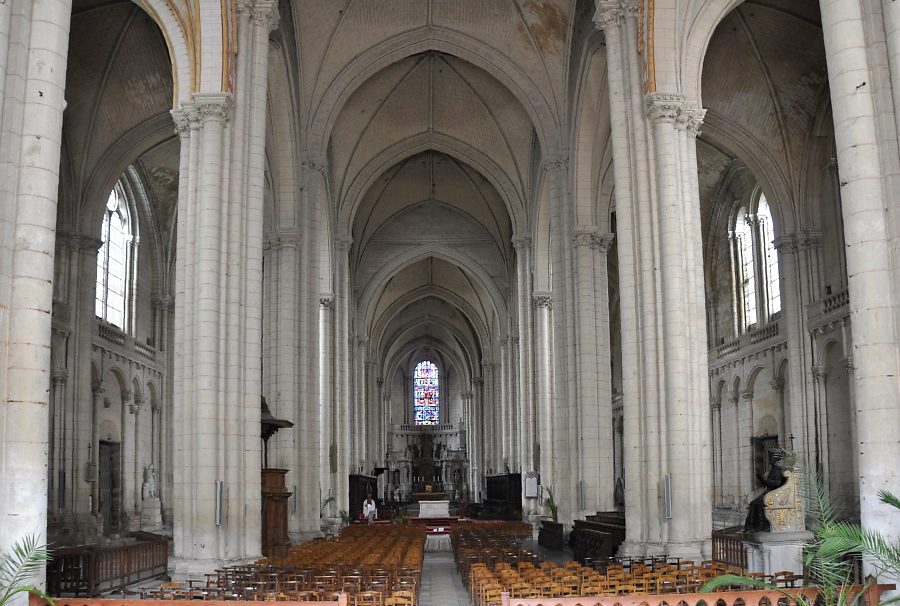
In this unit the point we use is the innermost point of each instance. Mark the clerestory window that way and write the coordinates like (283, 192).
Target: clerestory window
(114, 260)
(755, 270)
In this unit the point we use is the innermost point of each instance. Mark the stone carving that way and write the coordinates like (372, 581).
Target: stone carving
(148, 489)
(784, 506)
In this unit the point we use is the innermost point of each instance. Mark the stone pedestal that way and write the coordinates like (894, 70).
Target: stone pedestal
(151, 515)
(771, 552)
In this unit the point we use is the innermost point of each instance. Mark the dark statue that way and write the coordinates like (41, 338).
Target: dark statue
(756, 511)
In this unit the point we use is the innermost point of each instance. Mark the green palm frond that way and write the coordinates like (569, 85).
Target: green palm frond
(24, 559)
(889, 498)
(842, 539)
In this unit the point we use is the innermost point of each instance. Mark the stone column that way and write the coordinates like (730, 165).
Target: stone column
(544, 387)
(327, 426)
(131, 515)
(342, 371)
(716, 416)
(867, 164)
(745, 437)
(34, 41)
(217, 382)
(522, 245)
(736, 495)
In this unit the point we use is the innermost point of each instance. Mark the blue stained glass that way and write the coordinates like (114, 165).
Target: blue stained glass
(425, 391)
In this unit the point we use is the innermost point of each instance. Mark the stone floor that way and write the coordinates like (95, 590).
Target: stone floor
(441, 584)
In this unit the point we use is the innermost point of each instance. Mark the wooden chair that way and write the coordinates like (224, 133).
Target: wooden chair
(368, 598)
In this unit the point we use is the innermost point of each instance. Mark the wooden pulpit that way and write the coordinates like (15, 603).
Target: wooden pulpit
(275, 540)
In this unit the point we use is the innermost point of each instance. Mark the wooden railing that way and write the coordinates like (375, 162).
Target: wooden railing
(35, 601)
(870, 597)
(91, 569)
(728, 548)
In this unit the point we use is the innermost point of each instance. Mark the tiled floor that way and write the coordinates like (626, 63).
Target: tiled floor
(441, 585)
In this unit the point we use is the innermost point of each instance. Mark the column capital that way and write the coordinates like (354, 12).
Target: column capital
(78, 242)
(555, 161)
(602, 242)
(608, 14)
(690, 118)
(818, 372)
(59, 376)
(716, 404)
(747, 394)
(343, 243)
(584, 236)
(262, 12)
(326, 300)
(663, 107)
(521, 241)
(315, 162)
(541, 299)
(213, 107)
(777, 384)
(733, 397)
(185, 118)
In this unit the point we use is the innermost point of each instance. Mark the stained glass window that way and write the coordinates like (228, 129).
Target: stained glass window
(426, 385)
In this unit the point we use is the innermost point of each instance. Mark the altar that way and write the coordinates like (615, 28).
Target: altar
(434, 509)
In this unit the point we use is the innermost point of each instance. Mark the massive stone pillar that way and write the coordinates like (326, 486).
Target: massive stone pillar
(218, 311)
(666, 392)
(327, 455)
(34, 40)
(593, 383)
(865, 129)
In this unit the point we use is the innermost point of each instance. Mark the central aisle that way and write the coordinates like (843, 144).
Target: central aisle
(441, 585)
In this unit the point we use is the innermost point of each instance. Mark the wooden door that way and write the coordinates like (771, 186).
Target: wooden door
(110, 487)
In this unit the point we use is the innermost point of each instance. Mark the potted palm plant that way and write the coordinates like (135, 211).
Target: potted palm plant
(829, 558)
(551, 533)
(22, 561)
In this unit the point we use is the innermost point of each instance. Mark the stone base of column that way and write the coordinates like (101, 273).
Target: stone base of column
(771, 552)
(151, 516)
(181, 569)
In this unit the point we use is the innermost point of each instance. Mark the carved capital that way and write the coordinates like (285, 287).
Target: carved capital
(186, 119)
(213, 107)
(315, 162)
(609, 14)
(326, 300)
(265, 13)
(716, 404)
(690, 119)
(520, 242)
(539, 300)
(747, 394)
(818, 372)
(777, 384)
(343, 243)
(557, 161)
(602, 242)
(663, 107)
(59, 376)
(79, 243)
(583, 237)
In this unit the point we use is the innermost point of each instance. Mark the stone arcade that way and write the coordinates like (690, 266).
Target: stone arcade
(638, 243)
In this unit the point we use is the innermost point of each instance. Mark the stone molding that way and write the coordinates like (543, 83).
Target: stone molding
(59, 376)
(716, 404)
(326, 300)
(797, 241)
(343, 243)
(79, 242)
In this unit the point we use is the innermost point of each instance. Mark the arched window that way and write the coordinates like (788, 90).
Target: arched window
(755, 266)
(426, 394)
(746, 270)
(113, 260)
(770, 255)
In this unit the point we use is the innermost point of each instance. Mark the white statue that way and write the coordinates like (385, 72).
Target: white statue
(148, 490)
